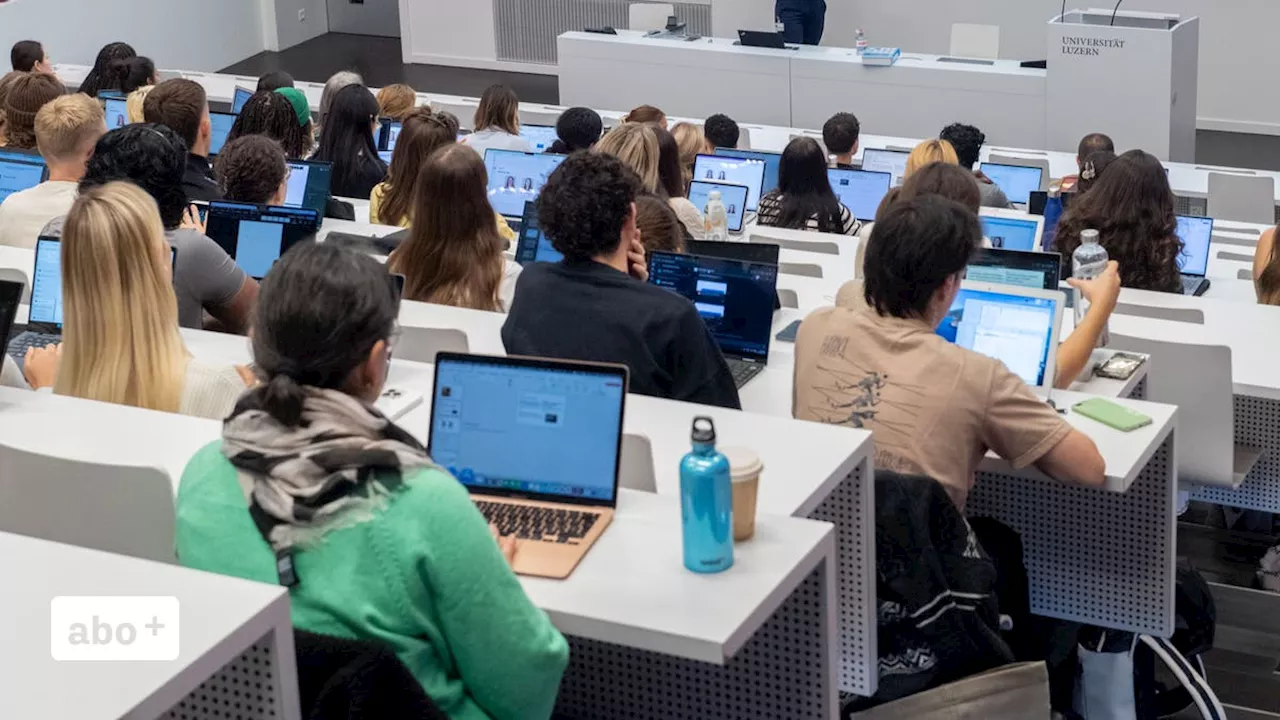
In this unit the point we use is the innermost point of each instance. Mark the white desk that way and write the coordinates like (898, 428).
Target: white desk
(233, 633)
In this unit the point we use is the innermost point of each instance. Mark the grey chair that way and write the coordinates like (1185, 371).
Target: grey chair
(1243, 198)
(744, 137)
(788, 298)
(423, 344)
(1042, 163)
(636, 469)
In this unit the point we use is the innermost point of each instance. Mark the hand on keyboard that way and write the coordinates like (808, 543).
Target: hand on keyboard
(507, 544)
(40, 366)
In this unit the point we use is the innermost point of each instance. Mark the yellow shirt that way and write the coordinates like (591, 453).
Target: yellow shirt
(375, 206)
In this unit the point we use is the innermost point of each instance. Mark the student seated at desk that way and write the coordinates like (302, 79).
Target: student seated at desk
(1092, 168)
(596, 304)
(577, 128)
(1089, 144)
(1266, 269)
(385, 545)
(967, 141)
(93, 82)
(396, 101)
(346, 140)
(721, 132)
(135, 104)
(1133, 209)
(497, 122)
(6, 83)
(692, 143)
(672, 184)
(26, 96)
(840, 135)
(252, 169)
(131, 74)
(120, 339)
(804, 199)
(454, 253)
(29, 56)
(181, 106)
(66, 131)
(282, 115)
(934, 408)
(937, 178)
(274, 80)
(659, 227)
(650, 114)
(332, 87)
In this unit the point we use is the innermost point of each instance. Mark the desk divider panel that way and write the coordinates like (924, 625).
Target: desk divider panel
(250, 687)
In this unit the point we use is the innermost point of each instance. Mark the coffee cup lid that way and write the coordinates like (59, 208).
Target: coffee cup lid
(743, 462)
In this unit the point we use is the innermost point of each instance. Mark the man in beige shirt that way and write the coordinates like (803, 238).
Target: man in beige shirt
(933, 408)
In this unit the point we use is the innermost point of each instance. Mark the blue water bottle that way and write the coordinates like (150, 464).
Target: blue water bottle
(706, 503)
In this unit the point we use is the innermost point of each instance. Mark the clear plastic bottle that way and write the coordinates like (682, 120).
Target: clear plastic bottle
(1087, 263)
(706, 502)
(716, 221)
(861, 43)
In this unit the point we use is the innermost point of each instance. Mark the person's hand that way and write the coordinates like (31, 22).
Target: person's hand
(40, 366)
(1103, 291)
(191, 219)
(635, 258)
(506, 543)
(247, 375)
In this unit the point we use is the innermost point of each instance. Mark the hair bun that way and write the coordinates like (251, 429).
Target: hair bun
(282, 398)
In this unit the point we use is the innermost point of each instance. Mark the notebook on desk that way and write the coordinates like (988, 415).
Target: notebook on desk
(44, 320)
(538, 444)
(1017, 326)
(1195, 233)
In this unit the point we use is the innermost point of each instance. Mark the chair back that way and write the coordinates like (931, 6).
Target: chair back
(975, 41)
(1243, 198)
(1042, 163)
(812, 270)
(636, 469)
(1186, 315)
(421, 344)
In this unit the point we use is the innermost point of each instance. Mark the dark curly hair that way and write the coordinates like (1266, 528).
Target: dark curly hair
(1132, 208)
(722, 131)
(585, 204)
(93, 82)
(967, 141)
(577, 128)
(148, 155)
(250, 169)
(270, 113)
(918, 243)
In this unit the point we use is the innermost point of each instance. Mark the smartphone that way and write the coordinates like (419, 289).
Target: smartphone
(1120, 366)
(1112, 415)
(788, 333)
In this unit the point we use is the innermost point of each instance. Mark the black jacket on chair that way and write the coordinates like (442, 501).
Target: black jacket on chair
(341, 679)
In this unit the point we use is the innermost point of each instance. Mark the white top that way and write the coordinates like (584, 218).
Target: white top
(689, 216)
(24, 214)
(210, 389)
(482, 140)
(507, 291)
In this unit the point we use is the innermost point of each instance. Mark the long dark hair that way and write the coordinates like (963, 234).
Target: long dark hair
(347, 140)
(424, 131)
(270, 113)
(804, 189)
(1132, 208)
(670, 173)
(129, 74)
(93, 82)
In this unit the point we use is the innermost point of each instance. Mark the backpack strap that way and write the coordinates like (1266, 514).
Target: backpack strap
(1206, 701)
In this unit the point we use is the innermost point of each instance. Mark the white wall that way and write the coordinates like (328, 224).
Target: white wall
(289, 30)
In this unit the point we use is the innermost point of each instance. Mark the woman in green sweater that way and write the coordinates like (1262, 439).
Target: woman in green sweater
(375, 541)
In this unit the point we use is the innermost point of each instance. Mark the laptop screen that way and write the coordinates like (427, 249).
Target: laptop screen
(533, 245)
(516, 178)
(893, 162)
(771, 162)
(239, 99)
(388, 134)
(308, 184)
(734, 298)
(221, 124)
(1010, 233)
(16, 176)
(1014, 329)
(1016, 181)
(255, 236)
(751, 252)
(117, 112)
(46, 283)
(1195, 234)
(859, 190)
(529, 427)
(1035, 270)
(21, 155)
(733, 196)
(539, 136)
(736, 170)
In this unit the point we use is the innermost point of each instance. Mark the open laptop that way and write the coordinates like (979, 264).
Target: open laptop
(750, 252)
(19, 175)
(116, 112)
(771, 160)
(733, 169)
(734, 198)
(1017, 326)
(255, 236)
(532, 245)
(10, 299)
(1017, 181)
(238, 100)
(1036, 270)
(44, 320)
(388, 134)
(516, 178)
(1012, 230)
(893, 162)
(733, 297)
(761, 39)
(539, 136)
(1196, 233)
(860, 190)
(538, 444)
(309, 184)
(220, 123)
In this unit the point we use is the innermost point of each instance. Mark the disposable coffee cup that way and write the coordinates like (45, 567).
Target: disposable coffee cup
(744, 470)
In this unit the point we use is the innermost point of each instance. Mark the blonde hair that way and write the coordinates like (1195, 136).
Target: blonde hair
(120, 332)
(65, 124)
(397, 101)
(636, 145)
(134, 103)
(692, 142)
(929, 152)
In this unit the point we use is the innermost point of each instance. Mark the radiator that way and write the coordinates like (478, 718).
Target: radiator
(526, 30)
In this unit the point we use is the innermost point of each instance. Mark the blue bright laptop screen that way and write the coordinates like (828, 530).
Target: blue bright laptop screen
(516, 178)
(736, 170)
(1013, 329)
(734, 198)
(508, 426)
(1016, 181)
(16, 176)
(539, 136)
(241, 97)
(221, 123)
(893, 162)
(533, 245)
(1009, 233)
(771, 162)
(733, 297)
(46, 285)
(1195, 234)
(859, 190)
(117, 112)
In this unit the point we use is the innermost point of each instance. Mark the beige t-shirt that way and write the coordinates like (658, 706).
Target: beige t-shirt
(933, 408)
(24, 214)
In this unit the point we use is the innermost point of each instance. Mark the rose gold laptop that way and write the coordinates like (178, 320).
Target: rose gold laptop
(538, 443)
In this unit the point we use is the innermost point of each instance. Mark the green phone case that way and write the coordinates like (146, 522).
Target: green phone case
(1112, 415)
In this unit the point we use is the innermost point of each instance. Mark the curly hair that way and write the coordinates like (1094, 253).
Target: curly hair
(93, 82)
(577, 128)
(270, 113)
(148, 155)
(967, 141)
(250, 169)
(585, 204)
(722, 131)
(840, 133)
(1132, 208)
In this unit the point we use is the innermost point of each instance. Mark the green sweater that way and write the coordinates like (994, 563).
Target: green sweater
(425, 577)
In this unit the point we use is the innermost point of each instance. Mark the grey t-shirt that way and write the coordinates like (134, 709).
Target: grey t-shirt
(204, 275)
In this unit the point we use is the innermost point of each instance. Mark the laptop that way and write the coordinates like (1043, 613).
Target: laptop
(309, 184)
(748, 252)
(517, 177)
(538, 444)
(30, 155)
(1017, 181)
(116, 111)
(10, 299)
(19, 175)
(759, 38)
(893, 162)
(532, 245)
(45, 315)
(860, 190)
(1036, 270)
(735, 170)
(734, 198)
(540, 137)
(111, 94)
(771, 160)
(238, 100)
(1012, 230)
(1196, 234)
(1017, 326)
(388, 134)
(221, 127)
(255, 236)
(733, 297)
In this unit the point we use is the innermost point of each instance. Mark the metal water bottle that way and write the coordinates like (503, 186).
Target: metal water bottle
(706, 502)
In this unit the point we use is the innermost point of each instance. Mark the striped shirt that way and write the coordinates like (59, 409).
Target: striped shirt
(771, 208)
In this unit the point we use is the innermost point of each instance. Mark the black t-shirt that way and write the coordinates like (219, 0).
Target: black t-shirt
(197, 180)
(590, 311)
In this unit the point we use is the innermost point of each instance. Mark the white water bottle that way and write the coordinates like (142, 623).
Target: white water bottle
(861, 44)
(717, 219)
(1088, 262)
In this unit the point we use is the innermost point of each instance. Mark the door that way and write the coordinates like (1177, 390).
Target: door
(365, 17)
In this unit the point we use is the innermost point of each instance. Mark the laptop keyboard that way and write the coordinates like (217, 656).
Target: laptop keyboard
(19, 345)
(743, 371)
(1191, 283)
(529, 522)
